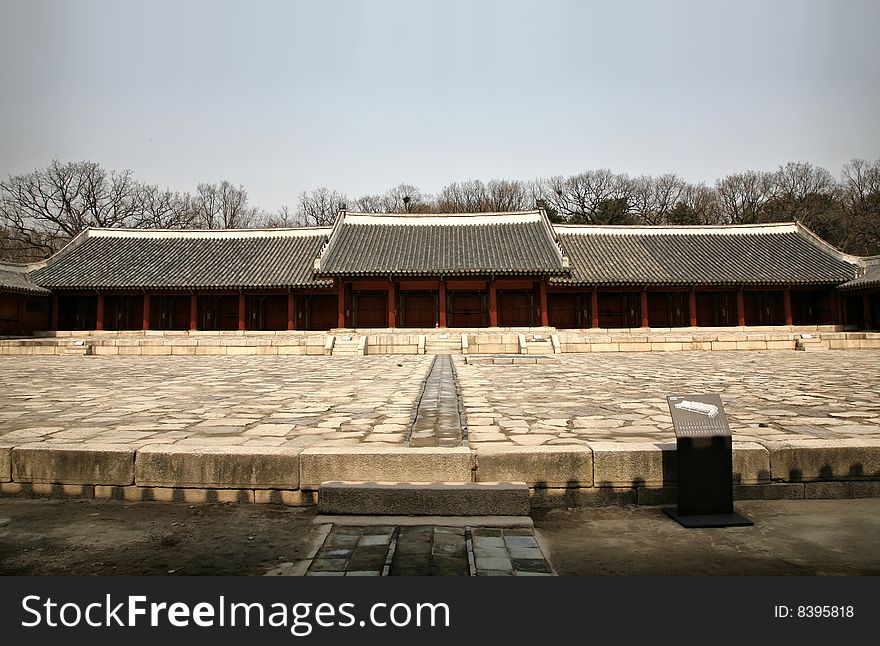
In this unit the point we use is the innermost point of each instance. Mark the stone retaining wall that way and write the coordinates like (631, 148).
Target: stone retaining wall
(478, 342)
(600, 473)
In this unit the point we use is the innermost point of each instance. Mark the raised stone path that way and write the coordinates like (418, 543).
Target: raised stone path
(361, 401)
(436, 420)
(429, 550)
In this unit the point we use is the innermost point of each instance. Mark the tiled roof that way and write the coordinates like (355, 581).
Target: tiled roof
(142, 259)
(868, 280)
(774, 254)
(15, 279)
(442, 245)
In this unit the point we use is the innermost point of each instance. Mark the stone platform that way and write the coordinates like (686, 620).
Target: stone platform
(506, 341)
(590, 429)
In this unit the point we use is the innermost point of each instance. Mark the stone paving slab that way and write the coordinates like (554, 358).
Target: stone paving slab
(209, 401)
(429, 550)
(768, 396)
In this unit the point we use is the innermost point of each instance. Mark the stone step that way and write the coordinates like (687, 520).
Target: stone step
(424, 498)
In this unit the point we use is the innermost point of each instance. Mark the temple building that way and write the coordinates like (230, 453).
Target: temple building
(497, 270)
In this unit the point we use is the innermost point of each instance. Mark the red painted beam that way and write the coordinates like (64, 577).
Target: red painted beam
(786, 304)
(442, 313)
(99, 318)
(392, 305)
(291, 311)
(493, 305)
(545, 318)
(193, 312)
(340, 295)
(146, 317)
(594, 309)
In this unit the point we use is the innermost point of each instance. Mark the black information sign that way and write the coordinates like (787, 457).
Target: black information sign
(704, 457)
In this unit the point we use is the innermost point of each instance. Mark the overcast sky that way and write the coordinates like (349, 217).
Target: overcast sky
(361, 96)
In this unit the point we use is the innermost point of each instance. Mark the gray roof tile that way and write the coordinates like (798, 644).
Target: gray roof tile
(132, 259)
(760, 255)
(444, 245)
(15, 279)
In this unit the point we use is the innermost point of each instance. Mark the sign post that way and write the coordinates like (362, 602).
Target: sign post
(704, 457)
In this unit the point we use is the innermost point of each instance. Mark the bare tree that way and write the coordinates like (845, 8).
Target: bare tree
(48, 206)
(590, 197)
(860, 194)
(222, 206)
(319, 207)
(162, 209)
(742, 196)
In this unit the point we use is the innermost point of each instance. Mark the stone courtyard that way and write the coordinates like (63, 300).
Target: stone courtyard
(308, 401)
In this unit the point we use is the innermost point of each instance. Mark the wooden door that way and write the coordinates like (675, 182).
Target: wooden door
(514, 308)
(564, 311)
(467, 309)
(370, 309)
(418, 309)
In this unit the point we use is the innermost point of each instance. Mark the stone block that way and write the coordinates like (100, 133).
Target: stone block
(724, 345)
(634, 347)
(843, 489)
(73, 464)
(780, 345)
(542, 498)
(820, 459)
(218, 467)
(156, 350)
(424, 499)
(241, 349)
(666, 346)
(751, 345)
(538, 466)
(6, 462)
(605, 347)
(631, 464)
(386, 464)
(774, 491)
(751, 463)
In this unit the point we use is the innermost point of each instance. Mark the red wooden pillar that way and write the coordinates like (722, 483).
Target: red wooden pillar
(835, 307)
(99, 318)
(193, 312)
(594, 308)
(291, 311)
(740, 308)
(786, 304)
(692, 305)
(866, 308)
(340, 295)
(242, 309)
(644, 308)
(392, 305)
(493, 304)
(442, 313)
(545, 316)
(146, 317)
(53, 324)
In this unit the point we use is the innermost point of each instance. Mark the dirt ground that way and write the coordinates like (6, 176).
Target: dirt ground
(88, 537)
